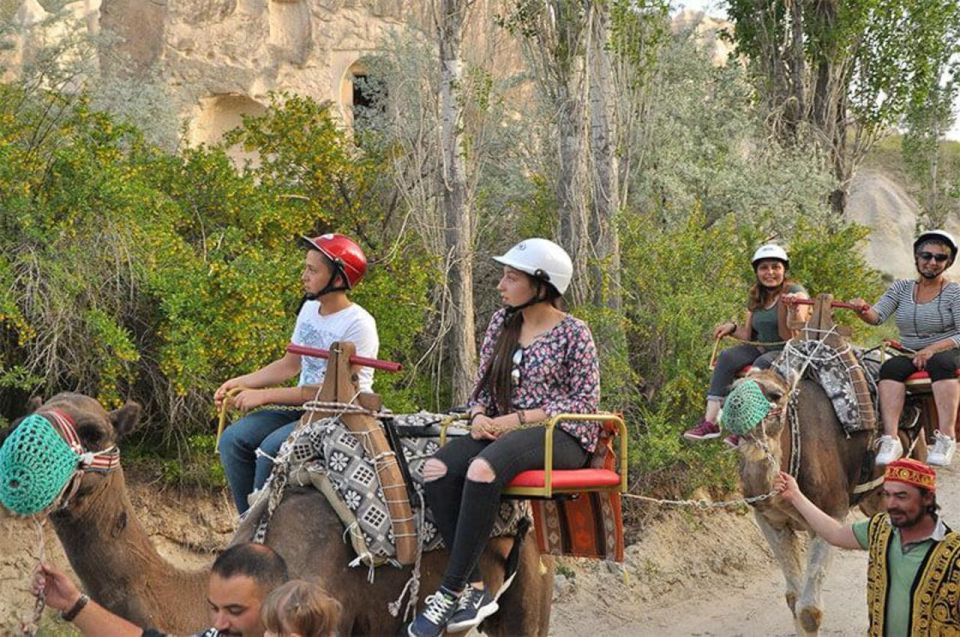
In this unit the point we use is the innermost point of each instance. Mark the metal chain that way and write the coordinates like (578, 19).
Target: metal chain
(702, 504)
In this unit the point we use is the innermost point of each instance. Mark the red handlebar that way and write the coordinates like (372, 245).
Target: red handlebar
(841, 304)
(387, 366)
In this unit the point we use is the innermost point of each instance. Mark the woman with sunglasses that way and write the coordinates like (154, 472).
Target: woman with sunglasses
(927, 312)
(536, 361)
(766, 327)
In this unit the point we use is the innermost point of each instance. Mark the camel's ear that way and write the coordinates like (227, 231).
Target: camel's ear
(125, 419)
(32, 405)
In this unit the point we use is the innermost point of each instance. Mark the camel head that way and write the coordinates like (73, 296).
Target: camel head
(766, 435)
(97, 430)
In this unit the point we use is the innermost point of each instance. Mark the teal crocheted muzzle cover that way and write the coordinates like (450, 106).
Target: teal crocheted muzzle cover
(744, 408)
(36, 465)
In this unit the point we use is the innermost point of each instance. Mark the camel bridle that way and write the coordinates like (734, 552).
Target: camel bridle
(104, 461)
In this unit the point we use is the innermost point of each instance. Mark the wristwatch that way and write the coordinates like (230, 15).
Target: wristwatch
(74, 610)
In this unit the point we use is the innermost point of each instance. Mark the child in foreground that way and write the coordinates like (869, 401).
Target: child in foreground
(300, 609)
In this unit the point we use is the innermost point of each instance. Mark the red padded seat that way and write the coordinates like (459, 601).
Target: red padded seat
(922, 375)
(568, 479)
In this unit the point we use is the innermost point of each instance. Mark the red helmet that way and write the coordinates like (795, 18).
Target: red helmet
(343, 252)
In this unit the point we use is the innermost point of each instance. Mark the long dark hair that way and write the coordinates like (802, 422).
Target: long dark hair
(496, 377)
(760, 296)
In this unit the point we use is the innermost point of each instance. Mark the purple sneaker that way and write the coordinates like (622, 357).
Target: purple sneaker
(703, 431)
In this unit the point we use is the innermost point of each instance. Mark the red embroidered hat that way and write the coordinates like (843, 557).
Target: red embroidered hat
(913, 472)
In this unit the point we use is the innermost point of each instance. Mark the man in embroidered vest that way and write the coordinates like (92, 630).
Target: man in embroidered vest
(913, 577)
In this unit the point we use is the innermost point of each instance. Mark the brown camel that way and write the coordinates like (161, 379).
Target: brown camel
(119, 567)
(829, 470)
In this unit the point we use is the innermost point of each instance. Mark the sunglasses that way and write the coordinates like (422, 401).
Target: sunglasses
(939, 257)
(515, 372)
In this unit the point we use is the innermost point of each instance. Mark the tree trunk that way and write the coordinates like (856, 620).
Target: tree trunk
(569, 186)
(455, 205)
(604, 238)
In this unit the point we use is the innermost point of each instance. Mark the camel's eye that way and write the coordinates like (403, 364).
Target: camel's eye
(774, 395)
(90, 434)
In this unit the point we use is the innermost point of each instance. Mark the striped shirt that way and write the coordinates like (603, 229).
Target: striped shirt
(922, 324)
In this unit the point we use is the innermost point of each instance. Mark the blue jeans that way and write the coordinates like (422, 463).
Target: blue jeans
(238, 450)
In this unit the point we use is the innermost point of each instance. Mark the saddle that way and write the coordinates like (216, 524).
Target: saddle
(371, 477)
(825, 356)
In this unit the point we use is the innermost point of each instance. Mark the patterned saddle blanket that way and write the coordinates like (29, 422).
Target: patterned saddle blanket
(326, 454)
(845, 376)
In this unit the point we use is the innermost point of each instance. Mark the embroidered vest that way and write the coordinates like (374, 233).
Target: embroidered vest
(935, 593)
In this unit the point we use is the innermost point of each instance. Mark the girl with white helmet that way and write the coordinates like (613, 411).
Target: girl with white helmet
(536, 361)
(927, 312)
(765, 327)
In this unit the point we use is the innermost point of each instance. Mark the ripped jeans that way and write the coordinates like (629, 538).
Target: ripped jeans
(466, 510)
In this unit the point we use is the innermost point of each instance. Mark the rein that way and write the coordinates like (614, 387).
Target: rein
(103, 461)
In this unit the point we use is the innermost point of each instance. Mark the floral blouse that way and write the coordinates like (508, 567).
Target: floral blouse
(559, 373)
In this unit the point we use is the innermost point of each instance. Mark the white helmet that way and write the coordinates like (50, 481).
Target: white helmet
(937, 235)
(770, 251)
(542, 259)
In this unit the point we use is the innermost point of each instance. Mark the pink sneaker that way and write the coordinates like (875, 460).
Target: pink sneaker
(732, 441)
(703, 431)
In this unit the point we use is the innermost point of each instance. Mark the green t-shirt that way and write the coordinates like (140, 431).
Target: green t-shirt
(763, 321)
(902, 568)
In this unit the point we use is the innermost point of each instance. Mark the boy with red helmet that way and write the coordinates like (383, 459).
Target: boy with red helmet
(333, 265)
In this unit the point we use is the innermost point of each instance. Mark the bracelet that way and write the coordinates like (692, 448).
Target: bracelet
(76, 608)
(473, 417)
(521, 417)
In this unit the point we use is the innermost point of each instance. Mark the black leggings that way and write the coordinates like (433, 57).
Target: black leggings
(940, 366)
(732, 360)
(466, 529)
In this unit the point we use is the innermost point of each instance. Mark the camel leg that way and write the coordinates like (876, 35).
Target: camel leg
(819, 555)
(525, 606)
(786, 550)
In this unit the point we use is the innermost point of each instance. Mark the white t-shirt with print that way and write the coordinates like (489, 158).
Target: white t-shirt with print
(353, 324)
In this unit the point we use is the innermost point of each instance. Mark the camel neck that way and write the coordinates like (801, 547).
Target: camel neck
(119, 566)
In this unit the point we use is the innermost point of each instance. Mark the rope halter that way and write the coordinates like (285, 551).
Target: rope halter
(42, 462)
(745, 407)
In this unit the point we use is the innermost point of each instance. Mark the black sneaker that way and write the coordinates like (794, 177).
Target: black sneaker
(474, 606)
(432, 620)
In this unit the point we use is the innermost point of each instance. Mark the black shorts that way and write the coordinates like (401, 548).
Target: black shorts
(940, 366)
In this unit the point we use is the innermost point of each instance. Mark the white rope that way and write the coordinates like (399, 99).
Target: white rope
(413, 584)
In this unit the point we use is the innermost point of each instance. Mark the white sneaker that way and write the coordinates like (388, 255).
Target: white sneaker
(890, 450)
(942, 452)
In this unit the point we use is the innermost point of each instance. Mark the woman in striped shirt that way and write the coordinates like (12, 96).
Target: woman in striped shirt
(927, 312)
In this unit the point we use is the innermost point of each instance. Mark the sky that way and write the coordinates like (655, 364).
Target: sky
(717, 8)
